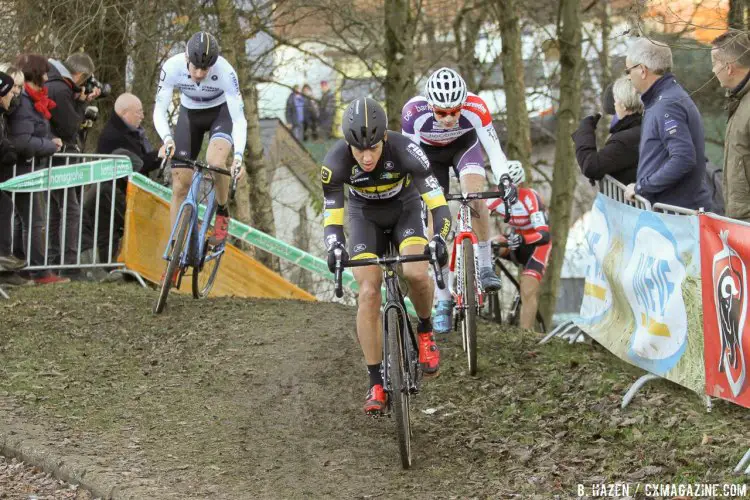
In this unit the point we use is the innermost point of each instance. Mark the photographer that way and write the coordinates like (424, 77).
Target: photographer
(65, 87)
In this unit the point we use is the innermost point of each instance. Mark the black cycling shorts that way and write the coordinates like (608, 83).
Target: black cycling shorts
(192, 125)
(372, 225)
(464, 156)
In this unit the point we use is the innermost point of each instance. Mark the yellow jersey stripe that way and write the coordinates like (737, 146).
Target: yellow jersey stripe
(412, 240)
(434, 199)
(333, 217)
(378, 189)
(365, 255)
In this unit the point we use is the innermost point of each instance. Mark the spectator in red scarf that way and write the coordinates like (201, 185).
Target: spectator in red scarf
(29, 132)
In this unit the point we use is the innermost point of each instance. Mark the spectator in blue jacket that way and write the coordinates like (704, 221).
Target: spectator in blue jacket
(672, 161)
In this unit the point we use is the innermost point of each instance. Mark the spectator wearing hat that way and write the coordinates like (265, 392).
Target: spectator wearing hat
(8, 262)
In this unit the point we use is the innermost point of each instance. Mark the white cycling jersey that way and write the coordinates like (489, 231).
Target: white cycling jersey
(220, 85)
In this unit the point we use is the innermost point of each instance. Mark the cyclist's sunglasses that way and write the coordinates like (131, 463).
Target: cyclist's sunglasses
(442, 113)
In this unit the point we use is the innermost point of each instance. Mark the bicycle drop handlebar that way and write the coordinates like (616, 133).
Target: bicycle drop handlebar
(386, 262)
(484, 195)
(201, 166)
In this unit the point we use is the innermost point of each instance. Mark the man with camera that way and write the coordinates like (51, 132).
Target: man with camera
(69, 85)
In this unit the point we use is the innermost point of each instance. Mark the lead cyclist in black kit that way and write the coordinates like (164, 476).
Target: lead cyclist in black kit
(385, 173)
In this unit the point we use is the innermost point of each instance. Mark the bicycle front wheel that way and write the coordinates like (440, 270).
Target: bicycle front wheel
(397, 374)
(205, 274)
(178, 244)
(469, 317)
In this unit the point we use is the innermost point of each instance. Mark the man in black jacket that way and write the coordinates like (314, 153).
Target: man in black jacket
(64, 87)
(123, 130)
(122, 134)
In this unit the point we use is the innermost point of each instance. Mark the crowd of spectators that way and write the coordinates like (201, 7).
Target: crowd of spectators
(310, 118)
(43, 111)
(656, 145)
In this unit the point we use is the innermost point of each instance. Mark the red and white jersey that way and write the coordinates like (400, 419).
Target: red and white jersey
(418, 123)
(528, 216)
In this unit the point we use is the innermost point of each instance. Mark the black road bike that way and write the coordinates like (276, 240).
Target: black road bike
(401, 371)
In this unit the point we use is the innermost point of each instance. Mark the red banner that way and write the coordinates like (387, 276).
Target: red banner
(725, 255)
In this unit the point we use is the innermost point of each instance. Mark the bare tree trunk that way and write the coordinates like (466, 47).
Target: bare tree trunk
(258, 196)
(519, 134)
(564, 178)
(737, 14)
(400, 24)
(604, 62)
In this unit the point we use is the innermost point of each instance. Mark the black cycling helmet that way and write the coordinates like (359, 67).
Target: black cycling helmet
(364, 123)
(202, 50)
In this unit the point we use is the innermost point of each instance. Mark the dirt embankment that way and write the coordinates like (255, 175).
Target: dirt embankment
(234, 398)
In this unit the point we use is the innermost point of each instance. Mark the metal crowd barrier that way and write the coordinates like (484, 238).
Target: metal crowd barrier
(83, 205)
(672, 209)
(611, 187)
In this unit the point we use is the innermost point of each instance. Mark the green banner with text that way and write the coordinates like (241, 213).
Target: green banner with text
(69, 176)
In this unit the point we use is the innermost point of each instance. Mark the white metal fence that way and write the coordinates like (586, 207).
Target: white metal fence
(74, 229)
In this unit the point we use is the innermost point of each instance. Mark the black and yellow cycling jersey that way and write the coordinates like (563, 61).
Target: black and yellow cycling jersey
(401, 175)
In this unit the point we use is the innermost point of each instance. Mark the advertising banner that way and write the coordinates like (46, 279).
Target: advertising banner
(69, 176)
(725, 250)
(642, 296)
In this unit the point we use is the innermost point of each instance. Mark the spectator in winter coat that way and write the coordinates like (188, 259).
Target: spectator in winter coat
(8, 262)
(122, 134)
(731, 65)
(327, 110)
(295, 112)
(619, 156)
(29, 131)
(672, 160)
(310, 123)
(64, 88)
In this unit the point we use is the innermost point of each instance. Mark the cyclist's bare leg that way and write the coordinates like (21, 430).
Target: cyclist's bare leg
(181, 178)
(420, 284)
(474, 183)
(368, 313)
(529, 301)
(216, 156)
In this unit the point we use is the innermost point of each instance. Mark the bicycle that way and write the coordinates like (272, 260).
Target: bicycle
(189, 244)
(495, 304)
(468, 292)
(401, 371)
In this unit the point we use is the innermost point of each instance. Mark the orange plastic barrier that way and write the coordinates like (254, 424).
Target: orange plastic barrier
(146, 232)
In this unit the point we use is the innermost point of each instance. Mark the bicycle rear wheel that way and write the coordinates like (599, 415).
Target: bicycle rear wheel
(469, 318)
(205, 275)
(397, 374)
(178, 244)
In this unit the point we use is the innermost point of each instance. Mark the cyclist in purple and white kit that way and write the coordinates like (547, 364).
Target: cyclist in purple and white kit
(452, 126)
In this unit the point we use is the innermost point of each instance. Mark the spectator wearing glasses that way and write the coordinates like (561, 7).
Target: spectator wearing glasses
(731, 65)
(672, 161)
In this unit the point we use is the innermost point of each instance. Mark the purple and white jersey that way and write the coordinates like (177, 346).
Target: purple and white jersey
(418, 123)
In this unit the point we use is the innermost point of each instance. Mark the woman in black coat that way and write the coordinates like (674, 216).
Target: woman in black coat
(619, 156)
(29, 132)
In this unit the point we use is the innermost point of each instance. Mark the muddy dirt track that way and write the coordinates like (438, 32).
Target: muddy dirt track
(262, 399)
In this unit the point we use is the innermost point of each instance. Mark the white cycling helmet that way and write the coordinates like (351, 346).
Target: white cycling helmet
(516, 172)
(445, 89)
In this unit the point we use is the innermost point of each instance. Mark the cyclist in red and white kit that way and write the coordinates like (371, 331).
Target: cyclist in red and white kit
(452, 125)
(529, 244)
